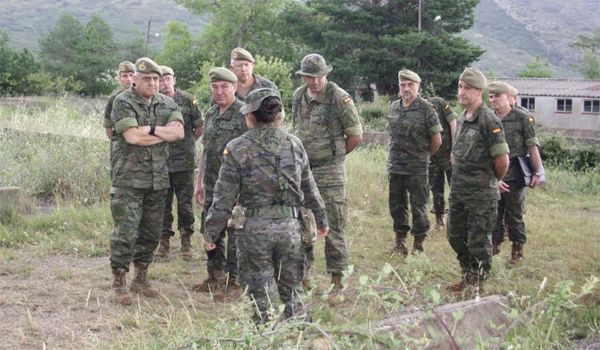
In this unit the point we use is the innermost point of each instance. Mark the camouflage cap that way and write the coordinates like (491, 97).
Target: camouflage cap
(221, 74)
(512, 90)
(314, 65)
(146, 65)
(126, 66)
(166, 70)
(255, 98)
(498, 87)
(407, 74)
(473, 77)
(241, 54)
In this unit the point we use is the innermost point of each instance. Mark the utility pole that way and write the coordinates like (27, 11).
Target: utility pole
(419, 12)
(148, 35)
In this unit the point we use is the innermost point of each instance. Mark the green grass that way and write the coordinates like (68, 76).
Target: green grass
(562, 256)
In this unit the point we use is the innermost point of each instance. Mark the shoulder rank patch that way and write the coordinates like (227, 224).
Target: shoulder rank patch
(347, 99)
(194, 102)
(531, 119)
(225, 152)
(497, 130)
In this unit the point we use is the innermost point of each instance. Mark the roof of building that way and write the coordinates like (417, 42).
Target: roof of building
(555, 87)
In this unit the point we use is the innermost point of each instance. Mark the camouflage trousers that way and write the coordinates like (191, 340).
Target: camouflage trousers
(137, 216)
(438, 175)
(405, 188)
(224, 256)
(270, 258)
(182, 187)
(470, 235)
(336, 253)
(510, 213)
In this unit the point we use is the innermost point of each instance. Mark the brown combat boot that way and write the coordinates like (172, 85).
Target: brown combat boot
(120, 287)
(186, 245)
(233, 288)
(162, 254)
(516, 255)
(400, 244)
(336, 296)
(140, 283)
(439, 222)
(216, 280)
(418, 244)
(496, 247)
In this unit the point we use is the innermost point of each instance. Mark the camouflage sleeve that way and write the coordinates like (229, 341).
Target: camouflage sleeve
(448, 112)
(529, 131)
(312, 197)
(123, 115)
(433, 122)
(495, 136)
(176, 116)
(348, 115)
(107, 112)
(225, 194)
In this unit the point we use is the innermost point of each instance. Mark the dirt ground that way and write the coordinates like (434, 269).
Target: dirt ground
(64, 301)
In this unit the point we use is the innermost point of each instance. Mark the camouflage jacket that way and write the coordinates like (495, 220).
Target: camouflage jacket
(259, 83)
(264, 167)
(107, 123)
(134, 166)
(446, 115)
(478, 142)
(410, 130)
(218, 131)
(519, 128)
(322, 123)
(182, 154)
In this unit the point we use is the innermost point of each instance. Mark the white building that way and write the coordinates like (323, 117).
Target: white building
(570, 105)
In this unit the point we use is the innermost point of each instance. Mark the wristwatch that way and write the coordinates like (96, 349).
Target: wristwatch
(152, 130)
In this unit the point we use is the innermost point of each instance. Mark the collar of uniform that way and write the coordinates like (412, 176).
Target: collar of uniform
(475, 115)
(321, 96)
(415, 105)
(233, 108)
(137, 98)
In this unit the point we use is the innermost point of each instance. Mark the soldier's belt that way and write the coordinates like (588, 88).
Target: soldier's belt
(273, 212)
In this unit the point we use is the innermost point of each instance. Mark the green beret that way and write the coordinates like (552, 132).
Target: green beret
(314, 65)
(407, 74)
(255, 98)
(221, 74)
(498, 87)
(126, 66)
(166, 70)
(240, 54)
(512, 90)
(473, 77)
(146, 65)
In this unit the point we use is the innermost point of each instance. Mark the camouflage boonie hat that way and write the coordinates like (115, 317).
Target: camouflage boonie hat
(512, 90)
(166, 70)
(146, 65)
(314, 65)
(126, 66)
(221, 74)
(241, 54)
(498, 87)
(473, 77)
(407, 74)
(255, 98)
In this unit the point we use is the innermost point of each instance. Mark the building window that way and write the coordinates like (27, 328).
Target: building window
(528, 103)
(591, 106)
(564, 105)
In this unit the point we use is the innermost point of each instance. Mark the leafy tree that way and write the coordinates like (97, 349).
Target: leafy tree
(16, 69)
(589, 45)
(537, 69)
(368, 41)
(182, 53)
(256, 25)
(59, 49)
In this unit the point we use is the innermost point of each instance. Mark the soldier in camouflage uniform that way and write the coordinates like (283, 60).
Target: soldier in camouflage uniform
(327, 122)
(267, 172)
(440, 169)
(480, 159)
(181, 163)
(519, 128)
(224, 122)
(125, 78)
(144, 123)
(242, 65)
(414, 130)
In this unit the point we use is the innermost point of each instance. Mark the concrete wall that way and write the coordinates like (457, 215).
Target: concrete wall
(546, 115)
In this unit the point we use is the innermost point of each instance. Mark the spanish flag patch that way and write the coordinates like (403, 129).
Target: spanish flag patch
(347, 99)
(447, 107)
(225, 152)
(531, 120)
(497, 130)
